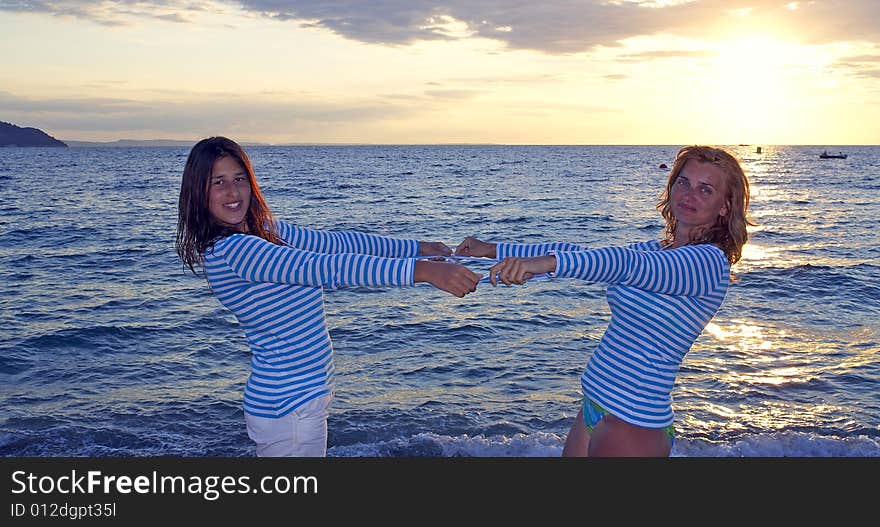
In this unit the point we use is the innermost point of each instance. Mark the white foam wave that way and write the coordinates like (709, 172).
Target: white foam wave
(429, 444)
(784, 444)
(788, 444)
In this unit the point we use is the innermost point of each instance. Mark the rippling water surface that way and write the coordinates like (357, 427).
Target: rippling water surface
(109, 349)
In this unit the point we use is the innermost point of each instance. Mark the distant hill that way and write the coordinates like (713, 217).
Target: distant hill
(132, 142)
(12, 135)
(143, 142)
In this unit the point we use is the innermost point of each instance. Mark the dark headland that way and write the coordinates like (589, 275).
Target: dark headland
(12, 135)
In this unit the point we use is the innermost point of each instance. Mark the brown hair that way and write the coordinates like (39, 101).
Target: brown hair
(196, 228)
(729, 232)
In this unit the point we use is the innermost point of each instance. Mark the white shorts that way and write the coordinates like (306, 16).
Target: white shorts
(301, 433)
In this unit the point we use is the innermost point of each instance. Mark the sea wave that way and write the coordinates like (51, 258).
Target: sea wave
(540, 444)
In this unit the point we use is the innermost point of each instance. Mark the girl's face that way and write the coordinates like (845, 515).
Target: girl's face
(699, 194)
(229, 192)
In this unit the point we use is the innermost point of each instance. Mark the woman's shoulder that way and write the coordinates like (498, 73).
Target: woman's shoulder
(702, 250)
(711, 248)
(708, 251)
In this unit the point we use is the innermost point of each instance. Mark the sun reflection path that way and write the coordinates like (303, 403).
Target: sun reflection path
(757, 256)
(742, 336)
(769, 357)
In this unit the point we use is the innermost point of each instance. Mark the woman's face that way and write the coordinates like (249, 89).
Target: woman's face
(698, 195)
(229, 192)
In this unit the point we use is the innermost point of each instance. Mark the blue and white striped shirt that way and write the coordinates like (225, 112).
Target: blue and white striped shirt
(660, 302)
(276, 293)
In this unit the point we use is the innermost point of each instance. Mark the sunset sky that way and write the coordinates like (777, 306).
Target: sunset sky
(445, 71)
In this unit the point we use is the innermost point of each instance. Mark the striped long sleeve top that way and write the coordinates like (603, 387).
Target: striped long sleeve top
(660, 301)
(276, 293)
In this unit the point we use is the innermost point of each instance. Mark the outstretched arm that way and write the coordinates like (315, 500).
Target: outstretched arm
(513, 270)
(471, 246)
(689, 271)
(256, 260)
(434, 249)
(353, 242)
(450, 277)
(693, 270)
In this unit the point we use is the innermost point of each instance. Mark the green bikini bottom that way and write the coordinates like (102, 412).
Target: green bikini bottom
(593, 413)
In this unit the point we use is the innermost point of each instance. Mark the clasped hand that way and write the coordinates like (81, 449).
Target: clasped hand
(458, 280)
(510, 270)
(513, 270)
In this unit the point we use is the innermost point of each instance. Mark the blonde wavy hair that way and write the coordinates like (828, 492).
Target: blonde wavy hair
(729, 232)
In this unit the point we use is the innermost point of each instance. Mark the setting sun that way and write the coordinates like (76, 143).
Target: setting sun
(755, 88)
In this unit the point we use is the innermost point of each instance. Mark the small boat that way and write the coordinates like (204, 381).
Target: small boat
(826, 155)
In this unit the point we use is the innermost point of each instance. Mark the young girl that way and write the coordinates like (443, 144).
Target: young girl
(661, 293)
(271, 275)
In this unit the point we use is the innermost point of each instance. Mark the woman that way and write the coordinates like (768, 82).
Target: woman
(661, 294)
(272, 275)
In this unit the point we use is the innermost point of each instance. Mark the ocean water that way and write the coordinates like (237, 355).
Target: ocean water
(108, 348)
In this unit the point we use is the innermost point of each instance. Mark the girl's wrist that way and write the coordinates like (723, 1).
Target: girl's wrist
(420, 271)
(545, 264)
(493, 250)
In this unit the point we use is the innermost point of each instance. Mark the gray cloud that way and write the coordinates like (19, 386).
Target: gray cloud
(666, 54)
(863, 66)
(107, 13)
(564, 26)
(217, 112)
(861, 58)
(452, 94)
(551, 26)
(13, 103)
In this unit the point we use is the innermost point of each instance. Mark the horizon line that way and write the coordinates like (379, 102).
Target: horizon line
(180, 142)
